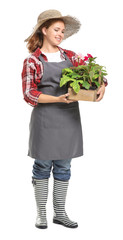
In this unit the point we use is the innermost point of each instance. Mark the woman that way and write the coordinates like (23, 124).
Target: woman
(55, 125)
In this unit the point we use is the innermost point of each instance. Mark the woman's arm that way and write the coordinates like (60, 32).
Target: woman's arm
(30, 92)
(44, 98)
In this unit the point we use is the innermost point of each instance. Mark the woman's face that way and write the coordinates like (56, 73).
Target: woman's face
(55, 33)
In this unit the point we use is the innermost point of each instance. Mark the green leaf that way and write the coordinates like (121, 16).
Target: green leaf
(80, 81)
(75, 75)
(86, 85)
(104, 74)
(75, 86)
(91, 74)
(96, 68)
(96, 76)
(81, 67)
(66, 70)
(97, 84)
(64, 80)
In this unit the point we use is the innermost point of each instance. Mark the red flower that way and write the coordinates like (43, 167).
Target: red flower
(76, 64)
(89, 55)
(86, 58)
(81, 62)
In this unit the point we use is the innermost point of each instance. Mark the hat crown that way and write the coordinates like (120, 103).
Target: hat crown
(49, 14)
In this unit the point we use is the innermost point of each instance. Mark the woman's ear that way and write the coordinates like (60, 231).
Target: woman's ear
(44, 30)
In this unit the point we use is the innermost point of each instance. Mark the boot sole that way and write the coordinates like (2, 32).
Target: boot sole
(40, 227)
(60, 223)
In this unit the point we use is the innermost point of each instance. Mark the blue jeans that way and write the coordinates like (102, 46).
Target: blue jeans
(60, 168)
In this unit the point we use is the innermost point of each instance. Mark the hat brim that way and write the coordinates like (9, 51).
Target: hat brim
(72, 26)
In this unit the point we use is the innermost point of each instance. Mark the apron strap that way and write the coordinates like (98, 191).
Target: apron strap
(41, 58)
(66, 57)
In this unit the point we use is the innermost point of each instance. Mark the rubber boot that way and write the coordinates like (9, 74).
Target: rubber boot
(59, 197)
(41, 194)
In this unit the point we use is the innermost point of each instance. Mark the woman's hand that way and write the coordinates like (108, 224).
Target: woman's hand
(101, 92)
(63, 98)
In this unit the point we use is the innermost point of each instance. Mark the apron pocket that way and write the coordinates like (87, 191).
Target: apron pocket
(61, 118)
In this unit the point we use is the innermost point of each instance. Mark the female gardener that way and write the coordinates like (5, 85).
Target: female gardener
(55, 125)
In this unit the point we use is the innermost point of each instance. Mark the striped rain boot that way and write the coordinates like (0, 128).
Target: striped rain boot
(41, 194)
(59, 198)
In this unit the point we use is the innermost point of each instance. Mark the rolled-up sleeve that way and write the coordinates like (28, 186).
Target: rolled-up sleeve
(29, 85)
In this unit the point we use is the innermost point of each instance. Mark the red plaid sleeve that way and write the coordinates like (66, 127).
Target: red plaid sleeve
(31, 75)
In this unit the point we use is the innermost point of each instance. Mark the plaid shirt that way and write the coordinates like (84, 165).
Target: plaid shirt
(33, 71)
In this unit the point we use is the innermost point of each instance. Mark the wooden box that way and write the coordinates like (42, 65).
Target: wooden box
(83, 95)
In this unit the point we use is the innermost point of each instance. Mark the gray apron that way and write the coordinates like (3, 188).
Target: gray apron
(55, 128)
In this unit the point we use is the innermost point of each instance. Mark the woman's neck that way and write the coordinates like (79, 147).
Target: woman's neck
(49, 48)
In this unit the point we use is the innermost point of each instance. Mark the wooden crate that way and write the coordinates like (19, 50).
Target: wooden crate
(82, 95)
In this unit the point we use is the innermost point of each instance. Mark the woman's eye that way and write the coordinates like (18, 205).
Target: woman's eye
(56, 30)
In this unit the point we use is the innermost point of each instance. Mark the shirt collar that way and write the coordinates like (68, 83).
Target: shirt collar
(38, 52)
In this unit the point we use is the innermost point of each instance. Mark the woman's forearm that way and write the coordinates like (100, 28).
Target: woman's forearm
(44, 98)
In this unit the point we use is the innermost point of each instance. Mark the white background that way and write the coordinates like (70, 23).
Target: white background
(95, 196)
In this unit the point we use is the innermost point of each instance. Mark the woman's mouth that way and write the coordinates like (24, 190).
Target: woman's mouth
(58, 39)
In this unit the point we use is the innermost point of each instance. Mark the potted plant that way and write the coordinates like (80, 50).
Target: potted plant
(84, 79)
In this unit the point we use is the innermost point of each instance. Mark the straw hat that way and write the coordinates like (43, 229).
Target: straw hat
(72, 24)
